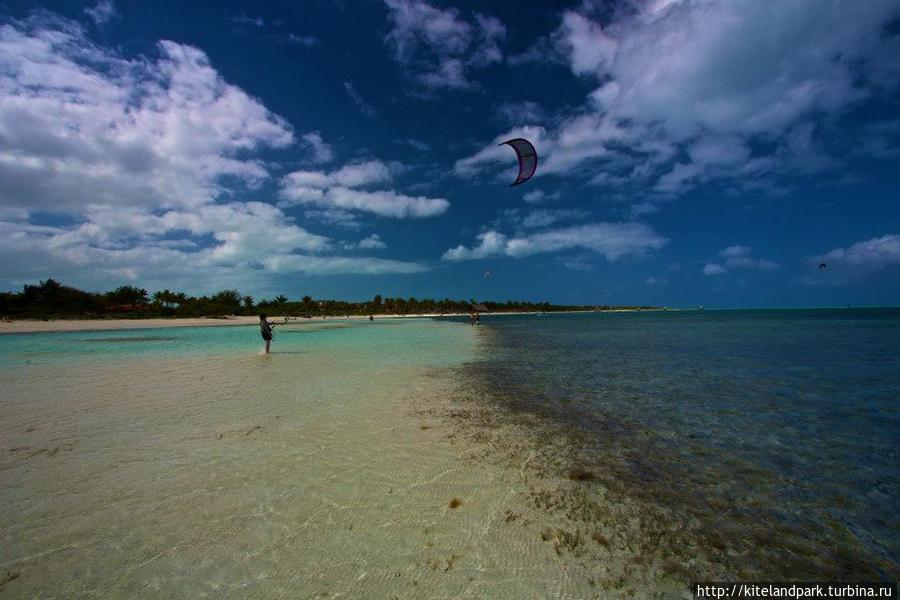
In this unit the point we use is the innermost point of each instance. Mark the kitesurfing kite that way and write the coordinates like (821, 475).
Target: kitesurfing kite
(822, 266)
(487, 274)
(528, 158)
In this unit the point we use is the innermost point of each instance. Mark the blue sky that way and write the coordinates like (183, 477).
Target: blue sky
(691, 152)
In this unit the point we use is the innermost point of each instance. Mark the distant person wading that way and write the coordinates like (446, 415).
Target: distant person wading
(265, 329)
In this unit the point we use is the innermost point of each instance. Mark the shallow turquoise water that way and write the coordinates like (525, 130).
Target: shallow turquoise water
(233, 340)
(191, 466)
(790, 417)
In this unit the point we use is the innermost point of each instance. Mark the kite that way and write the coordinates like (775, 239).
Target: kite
(527, 156)
(822, 266)
(487, 274)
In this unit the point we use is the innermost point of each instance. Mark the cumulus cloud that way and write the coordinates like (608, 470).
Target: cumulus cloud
(684, 89)
(337, 190)
(136, 155)
(439, 47)
(611, 240)
(252, 241)
(81, 126)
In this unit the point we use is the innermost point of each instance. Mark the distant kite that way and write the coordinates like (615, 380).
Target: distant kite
(487, 274)
(528, 158)
(822, 266)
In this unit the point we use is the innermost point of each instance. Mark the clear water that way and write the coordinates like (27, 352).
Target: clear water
(67, 347)
(180, 462)
(789, 418)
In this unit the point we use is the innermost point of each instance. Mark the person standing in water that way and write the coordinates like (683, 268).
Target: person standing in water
(265, 329)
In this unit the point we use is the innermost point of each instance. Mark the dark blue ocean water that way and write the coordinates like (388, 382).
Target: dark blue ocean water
(784, 417)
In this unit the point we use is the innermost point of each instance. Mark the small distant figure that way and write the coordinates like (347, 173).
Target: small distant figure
(477, 319)
(371, 318)
(265, 329)
(472, 319)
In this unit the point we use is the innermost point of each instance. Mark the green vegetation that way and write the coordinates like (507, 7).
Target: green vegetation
(51, 299)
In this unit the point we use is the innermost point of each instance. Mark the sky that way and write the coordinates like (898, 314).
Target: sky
(691, 152)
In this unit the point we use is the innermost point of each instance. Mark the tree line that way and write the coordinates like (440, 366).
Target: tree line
(51, 299)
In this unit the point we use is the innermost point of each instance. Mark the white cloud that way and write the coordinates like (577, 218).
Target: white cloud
(321, 152)
(534, 196)
(336, 190)
(738, 257)
(612, 240)
(81, 126)
(331, 265)
(735, 251)
(491, 243)
(373, 242)
(252, 242)
(714, 269)
(719, 150)
(137, 154)
(102, 12)
(875, 253)
(439, 46)
(686, 88)
(350, 175)
(589, 47)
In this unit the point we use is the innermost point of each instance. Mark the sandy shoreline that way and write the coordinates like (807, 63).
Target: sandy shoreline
(35, 326)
